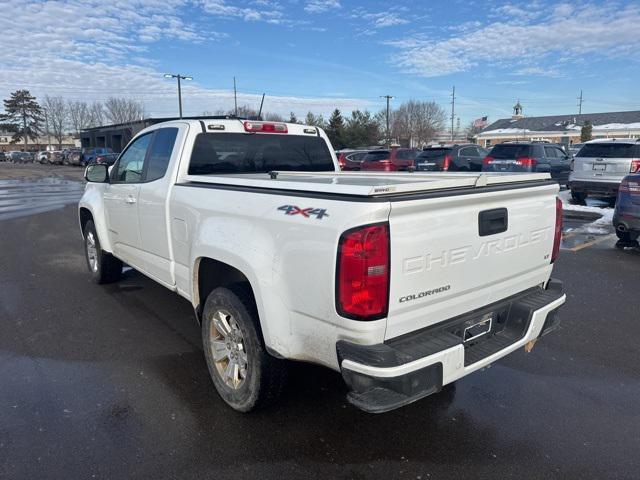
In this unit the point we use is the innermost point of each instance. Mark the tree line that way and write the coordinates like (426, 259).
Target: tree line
(26, 118)
(413, 123)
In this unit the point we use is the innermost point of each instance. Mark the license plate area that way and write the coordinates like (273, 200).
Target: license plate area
(600, 167)
(476, 330)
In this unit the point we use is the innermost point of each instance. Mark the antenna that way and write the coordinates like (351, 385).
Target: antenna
(260, 111)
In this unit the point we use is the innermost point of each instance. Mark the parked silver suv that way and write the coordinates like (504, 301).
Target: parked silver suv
(600, 166)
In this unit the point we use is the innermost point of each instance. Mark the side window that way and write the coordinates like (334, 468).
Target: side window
(160, 153)
(131, 161)
(550, 152)
(560, 153)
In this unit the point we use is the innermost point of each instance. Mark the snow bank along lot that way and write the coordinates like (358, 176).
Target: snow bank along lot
(599, 226)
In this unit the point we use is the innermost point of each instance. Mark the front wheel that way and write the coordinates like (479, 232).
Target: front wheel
(245, 375)
(104, 267)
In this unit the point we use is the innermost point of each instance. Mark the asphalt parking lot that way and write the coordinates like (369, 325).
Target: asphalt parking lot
(110, 381)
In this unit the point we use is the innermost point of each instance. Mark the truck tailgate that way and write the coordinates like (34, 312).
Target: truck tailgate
(451, 255)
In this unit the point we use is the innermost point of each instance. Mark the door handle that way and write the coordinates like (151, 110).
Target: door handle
(130, 200)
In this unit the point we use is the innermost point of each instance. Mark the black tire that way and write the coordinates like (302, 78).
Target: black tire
(107, 268)
(578, 196)
(265, 375)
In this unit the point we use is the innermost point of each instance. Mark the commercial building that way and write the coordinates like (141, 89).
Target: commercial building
(564, 129)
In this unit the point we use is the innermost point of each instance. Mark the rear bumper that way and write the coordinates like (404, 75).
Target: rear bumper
(595, 188)
(402, 370)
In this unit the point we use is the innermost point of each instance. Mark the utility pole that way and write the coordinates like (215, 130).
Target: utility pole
(235, 96)
(179, 77)
(453, 109)
(580, 99)
(388, 97)
(46, 127)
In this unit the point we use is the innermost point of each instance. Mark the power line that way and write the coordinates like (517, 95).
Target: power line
(453, 109)
(388, 97)
(580, 103)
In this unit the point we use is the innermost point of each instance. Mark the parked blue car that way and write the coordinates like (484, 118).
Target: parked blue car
(626, 217)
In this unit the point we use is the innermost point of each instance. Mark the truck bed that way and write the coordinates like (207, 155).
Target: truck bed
(367, 184)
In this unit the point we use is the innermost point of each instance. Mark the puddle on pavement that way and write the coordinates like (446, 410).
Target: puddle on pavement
(19, 198)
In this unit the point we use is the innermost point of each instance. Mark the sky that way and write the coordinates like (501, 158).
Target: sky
(316, 55)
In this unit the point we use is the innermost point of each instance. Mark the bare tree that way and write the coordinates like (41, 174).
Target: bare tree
(273, 117)
(56, 112)
(123, 110)
(416, 122)
(79, 115)
(96, 114)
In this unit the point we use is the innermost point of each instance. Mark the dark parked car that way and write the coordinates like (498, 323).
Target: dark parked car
(529, 157)
(106, 158)
(453, 158)
(89, 154)
(393, 160)
(350, 159)
(626, 217)
(3, 157)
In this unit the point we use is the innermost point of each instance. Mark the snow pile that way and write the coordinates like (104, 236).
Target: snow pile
(601, 226)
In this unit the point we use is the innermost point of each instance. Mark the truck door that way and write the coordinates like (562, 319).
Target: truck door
(121, 201)
(152, 205)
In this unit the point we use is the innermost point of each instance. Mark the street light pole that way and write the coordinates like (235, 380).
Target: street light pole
(179, 77)
(388, 97)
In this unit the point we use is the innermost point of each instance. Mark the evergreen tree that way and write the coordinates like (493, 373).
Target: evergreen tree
(335, 130)
(23, 116)
(293, 118)
(314, 120)
(586, 131)
(361, 130)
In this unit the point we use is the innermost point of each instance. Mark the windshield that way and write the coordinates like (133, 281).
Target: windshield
(510, 151)
(610, 150)
(256, 153)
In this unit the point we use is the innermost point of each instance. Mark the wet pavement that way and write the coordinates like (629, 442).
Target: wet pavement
(110, 382)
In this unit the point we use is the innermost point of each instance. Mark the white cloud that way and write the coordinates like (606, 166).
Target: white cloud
(321, 6)
(388, 18)
(268, 12)
(534, 41)
(106, 53)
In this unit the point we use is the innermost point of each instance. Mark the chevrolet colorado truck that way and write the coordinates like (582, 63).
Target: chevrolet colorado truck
(403, 282)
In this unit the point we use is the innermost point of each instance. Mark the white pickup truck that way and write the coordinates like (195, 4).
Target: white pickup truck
(403, 282)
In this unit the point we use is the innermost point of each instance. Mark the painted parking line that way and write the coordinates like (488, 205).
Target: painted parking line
(595, 241)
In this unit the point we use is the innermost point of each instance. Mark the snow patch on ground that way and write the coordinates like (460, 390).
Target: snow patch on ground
(601, 226)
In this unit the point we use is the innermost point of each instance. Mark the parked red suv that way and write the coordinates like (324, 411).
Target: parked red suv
(350, 159)
(390, 160)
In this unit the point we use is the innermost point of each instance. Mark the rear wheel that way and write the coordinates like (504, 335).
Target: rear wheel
(578, 196)
(104, 267)
(244, 374)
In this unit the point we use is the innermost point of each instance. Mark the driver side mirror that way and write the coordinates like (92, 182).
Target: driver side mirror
(97, 173)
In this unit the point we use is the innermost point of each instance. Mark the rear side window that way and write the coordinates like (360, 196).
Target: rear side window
(469, 152)
(160, 153)
(551, 152)
(434, 153)
(406, 154)
(376, 155)
(503, 151)
(610, 150)
(218, 153)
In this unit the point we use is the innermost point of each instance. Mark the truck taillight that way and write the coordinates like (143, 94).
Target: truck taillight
(487, 160)
(635, 165)
(557, 236)
(447, 162)
(265, 127)
(362, 276)
(526, 162)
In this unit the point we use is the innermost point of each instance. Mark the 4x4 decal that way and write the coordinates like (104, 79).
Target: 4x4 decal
(319, 213)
